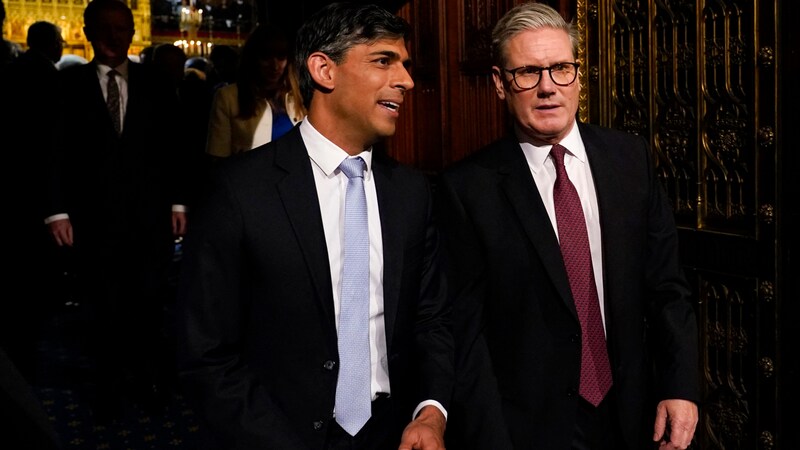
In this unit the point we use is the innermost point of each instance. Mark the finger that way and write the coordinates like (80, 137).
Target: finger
(660, 424)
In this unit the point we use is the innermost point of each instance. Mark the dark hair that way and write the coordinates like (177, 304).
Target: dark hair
(91, 14)
(337, 28)
(43, 34)
(45, 38)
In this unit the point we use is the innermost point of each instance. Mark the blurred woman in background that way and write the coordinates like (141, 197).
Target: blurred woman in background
(263, 104)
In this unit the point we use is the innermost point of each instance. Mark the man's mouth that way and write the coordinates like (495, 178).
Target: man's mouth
(547, 107)
(390, 105)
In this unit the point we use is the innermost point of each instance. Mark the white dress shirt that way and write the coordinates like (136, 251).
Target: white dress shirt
(331, 186)
(580, 174)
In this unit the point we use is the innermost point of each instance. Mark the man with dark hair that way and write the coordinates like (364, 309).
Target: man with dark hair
(45, 38)
(115, 196)
(571, 316)
(314, 312)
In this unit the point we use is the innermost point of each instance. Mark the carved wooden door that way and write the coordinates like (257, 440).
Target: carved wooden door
(701, 80)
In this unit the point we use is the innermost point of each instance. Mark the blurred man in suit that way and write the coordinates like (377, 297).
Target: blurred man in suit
(28, 114)
(572, 319)
(277, 294)
(115, 196)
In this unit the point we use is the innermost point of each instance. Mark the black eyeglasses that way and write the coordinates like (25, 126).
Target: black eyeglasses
(528, 77)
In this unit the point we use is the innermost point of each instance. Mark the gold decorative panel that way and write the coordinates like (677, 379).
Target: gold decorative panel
(698, 79)
(68, 15)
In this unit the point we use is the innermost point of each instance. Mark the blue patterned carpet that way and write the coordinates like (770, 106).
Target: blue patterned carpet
(176, 428)
(61, 382)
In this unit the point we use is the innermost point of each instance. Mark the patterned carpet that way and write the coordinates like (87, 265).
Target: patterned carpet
(61, 382)
(176, 428)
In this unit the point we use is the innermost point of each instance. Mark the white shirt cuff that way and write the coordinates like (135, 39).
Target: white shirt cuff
(426, 403)
(55, 217)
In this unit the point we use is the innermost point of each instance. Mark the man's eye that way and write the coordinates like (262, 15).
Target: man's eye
(560, 67)
(530, 70)
(383, 61)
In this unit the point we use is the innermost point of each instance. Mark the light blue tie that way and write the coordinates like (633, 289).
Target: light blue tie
(353, 399)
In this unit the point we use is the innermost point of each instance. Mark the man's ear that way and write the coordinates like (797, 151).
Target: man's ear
(322, 70)
(499, 82)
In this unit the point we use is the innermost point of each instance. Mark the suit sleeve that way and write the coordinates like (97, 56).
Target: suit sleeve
(672, 326)
(211, 324)
(434, 340)
(476, 418)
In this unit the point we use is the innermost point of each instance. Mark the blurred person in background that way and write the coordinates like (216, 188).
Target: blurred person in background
(265, 101)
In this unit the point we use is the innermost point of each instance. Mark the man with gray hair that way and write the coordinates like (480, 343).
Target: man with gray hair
(571, 315)
(313, 309)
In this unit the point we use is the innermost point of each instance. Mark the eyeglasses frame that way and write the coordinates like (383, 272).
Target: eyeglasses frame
(549, 69)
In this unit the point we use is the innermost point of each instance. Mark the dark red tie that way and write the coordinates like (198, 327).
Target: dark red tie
(574, 241)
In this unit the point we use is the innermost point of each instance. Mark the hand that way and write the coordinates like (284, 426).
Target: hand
(681, 417)
(61, 230)
(426, 432)
(178, 223)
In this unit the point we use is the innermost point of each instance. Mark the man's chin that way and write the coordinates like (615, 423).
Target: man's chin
(112, 55)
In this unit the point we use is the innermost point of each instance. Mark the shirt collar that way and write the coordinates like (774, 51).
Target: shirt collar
(327, 155)
(122, 69)
(537, 155)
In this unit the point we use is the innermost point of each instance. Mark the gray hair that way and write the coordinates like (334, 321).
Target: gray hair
(529, 16)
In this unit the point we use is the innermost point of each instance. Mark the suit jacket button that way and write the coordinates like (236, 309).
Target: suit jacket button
(318, 425)
(329, 365)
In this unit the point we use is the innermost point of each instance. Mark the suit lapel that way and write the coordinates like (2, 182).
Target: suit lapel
(520, 189)
(393, 236)
(134, 96)
(93, 85)
(298, 193)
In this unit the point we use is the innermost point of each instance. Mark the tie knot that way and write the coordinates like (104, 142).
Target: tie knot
(558, 152)
(112, 73)
(353, 167)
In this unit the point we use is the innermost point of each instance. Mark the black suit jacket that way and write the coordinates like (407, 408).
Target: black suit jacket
(257, 342)
(118, 190)
(517, 334)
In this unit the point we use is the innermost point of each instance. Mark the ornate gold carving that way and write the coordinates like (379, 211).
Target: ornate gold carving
(594, 73)
(716, 335)
(766, 57)
(68, 15)
(766, 441)
(766, 213)
(766, 366)
(766, 291)
(726, 418)
(736, 50)
(739, 340)
(766, 136)
(583, 104)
